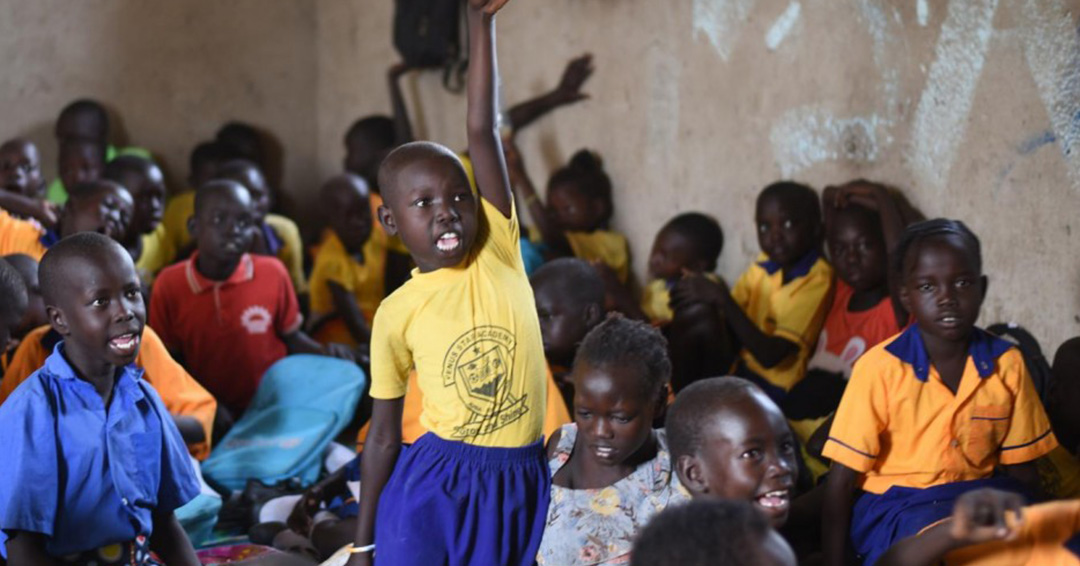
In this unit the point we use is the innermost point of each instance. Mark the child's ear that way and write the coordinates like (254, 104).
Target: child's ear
(57, 320)
(192, 226)
(690, 474)
(905, 298)
(594, 315)
(386, 218)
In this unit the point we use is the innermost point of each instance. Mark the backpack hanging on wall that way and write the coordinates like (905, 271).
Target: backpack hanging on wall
(428, 34)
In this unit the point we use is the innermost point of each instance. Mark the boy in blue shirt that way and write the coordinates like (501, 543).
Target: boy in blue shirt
(93, 465)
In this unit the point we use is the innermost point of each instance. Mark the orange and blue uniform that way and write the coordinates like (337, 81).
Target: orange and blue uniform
(1048, 536)
(918, 445)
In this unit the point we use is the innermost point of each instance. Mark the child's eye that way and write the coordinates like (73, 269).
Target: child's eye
(963, 283)
(925, 288)
(762, 228)
(753, 454)
(99, 302)
(461, 197)
(133, 294)
(788, 225)
(621, 419)
(422, 203)
(787, 447)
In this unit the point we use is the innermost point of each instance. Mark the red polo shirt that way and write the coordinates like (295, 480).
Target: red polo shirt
(227, 332)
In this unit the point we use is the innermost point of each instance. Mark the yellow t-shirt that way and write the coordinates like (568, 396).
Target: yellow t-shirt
(157, 254)
(899, 425)
(177, 211)
(366, 281)
(20, 236)
(656, 300)
(794, 311)
(605, 246)
(292, 250)
(473, 336)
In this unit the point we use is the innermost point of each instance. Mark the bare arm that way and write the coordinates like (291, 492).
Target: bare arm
(550, 232)
(346, 307)
(28, 549)
(403, 132)
(836, 514)
(44, 212)
(485, 147)
(568, 91)
(170, 542)
(300, 343)
(381, 452)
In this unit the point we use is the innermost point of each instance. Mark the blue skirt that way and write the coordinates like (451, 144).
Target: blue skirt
(451, 503)
(879, 521)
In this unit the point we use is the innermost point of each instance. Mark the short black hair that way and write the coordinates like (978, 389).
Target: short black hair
(242, 140)
(621, 342)
(128, 164)
(802, 198)
(937, 229)
(703, 232)
(341, 184)
(405, 154)
(92, 109)
(236, 167)
(88, 245)
(377, 129)
(207, 152)
(573, 279)
(585, 173)
(703, 533)
(215, 189)
(92, 188)
(694, 405)
(13, 289)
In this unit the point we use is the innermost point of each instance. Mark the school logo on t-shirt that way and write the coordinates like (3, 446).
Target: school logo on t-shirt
(479, 365)
(256, 319)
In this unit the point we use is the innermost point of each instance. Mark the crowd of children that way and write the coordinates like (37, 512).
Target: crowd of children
(530, 402)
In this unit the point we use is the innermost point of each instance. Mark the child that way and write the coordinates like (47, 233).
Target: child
(730, 441)
(145, 236)
(275, 235)
(610, 470)
(989, 527)
(225, 314)
(705, 533)
(22, 189)
(34, 317)
(62, 497)
(367, 143)
(778, 305)
(932, 412)
(349, 278)
(100, 206)
(14, 305)
(569, 302)
(82, 132)
(689, 242)
(466, 322)
(18, 236)
(202, 168)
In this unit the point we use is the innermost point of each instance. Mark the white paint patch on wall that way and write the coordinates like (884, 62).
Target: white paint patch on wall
(809, 135)
(782, 26)
(941, 117)
(922, 12)
(883, 23)
(720, 22)
(1052, 50)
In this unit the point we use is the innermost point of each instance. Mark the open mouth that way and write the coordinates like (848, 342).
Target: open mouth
(448, 242)
(949, 321)
(776, 501)
(604, 452)
(125, 344)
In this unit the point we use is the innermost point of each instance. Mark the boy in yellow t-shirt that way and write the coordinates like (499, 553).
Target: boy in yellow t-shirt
(467, 323)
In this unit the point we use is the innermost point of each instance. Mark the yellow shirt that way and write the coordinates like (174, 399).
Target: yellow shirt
(20, 236)
(1046, 537)
(656, 299)
(605, 246)
(473, 336)
(365, 281)
(794, 311)
(899, 425)
(157, 254)
(292, 250)
(177, 211)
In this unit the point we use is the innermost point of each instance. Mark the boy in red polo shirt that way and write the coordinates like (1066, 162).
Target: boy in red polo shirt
(228, 315)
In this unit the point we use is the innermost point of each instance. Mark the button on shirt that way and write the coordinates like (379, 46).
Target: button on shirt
(83, 476)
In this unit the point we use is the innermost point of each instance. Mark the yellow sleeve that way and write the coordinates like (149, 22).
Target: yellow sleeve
(501, 234)
(802, 317)
(180, 208)
(744, 289)
(855, 436)
(179, 392)
(391, 359)
(292, 253)
(1029, 435)
(157, 252)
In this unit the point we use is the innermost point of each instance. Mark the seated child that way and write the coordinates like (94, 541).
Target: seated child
(34, 316)
(82, 132)
(611, 471)
(349, 278)
(706, 533)
(466, 323)
(146, 235)
(203, 164)
(100, 206)
(228, 315)
(275, 235)
(15, 304)
(932, 412)
(690, 242)
(22, 188)
(988, 527)
(62, 498)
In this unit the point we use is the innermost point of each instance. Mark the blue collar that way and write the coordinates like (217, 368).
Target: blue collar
(984, 350)
(801, 267)
(273, 241)
(49, 238)
(56, 365)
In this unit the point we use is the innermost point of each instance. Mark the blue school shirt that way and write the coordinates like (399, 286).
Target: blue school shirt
(84, 477)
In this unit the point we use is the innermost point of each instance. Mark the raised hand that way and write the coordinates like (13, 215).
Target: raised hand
(982, 516)
(489, 7)
(696, 288)
(578, 70)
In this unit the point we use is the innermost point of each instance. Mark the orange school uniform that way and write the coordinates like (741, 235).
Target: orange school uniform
(180, 393)
(1047, 537)
(899, 425)
(20, 236)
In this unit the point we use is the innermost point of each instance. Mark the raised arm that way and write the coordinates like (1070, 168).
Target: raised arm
(403, 132)
(485, 147)
(568, 91)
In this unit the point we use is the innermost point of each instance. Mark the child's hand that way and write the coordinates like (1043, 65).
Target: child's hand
(696, 288)
(863, 195)
(299, 519)
(982, 516)
(489, 7)
(48, 213)
(339, 351)
(577, 71)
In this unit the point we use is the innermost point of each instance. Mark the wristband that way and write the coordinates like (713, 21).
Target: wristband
(362, 549)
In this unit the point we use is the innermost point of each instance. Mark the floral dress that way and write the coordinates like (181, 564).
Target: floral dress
(598, 526)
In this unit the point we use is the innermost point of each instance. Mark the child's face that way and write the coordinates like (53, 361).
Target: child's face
(942, 289)
(35, 309)
(149, 194)
(563, 323)
(785, 234)
(101, 313)
(748, 453)
(223, 228)
(20, 170)
(256, 185)
(613, 416)
(10, 323)
(857, 249)
(573, 210)
(672, 252)
(433, 209)
(107, 211)
(80, 162)
(85, 126)
(350, 216)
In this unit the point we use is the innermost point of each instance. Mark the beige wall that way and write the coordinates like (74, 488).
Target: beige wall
(696, 104)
